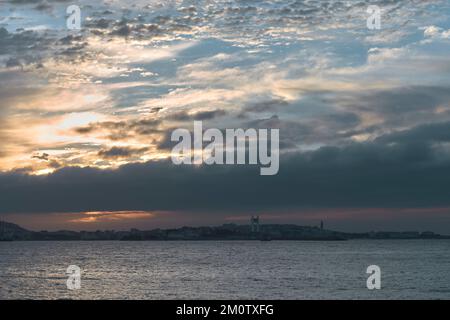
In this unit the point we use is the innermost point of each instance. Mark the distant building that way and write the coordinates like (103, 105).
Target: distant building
(321, 225)
(254, 222)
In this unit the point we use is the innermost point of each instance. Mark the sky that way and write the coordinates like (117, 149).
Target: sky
(86, 115)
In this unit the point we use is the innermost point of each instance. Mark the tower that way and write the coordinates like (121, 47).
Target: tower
(254, 222)
(321, 225)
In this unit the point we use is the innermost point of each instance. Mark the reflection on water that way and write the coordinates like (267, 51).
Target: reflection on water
(225, 270)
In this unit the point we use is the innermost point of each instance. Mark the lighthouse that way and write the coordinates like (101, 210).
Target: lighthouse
(254, 223)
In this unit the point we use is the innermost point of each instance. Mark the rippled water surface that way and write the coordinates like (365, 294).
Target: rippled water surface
(225, 270)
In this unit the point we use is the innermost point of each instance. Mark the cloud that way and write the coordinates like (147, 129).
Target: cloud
(43, 156)
(119, 130)
(25, 46)
(399, 106)
(409, 173)
(121, 152)
(199, 116)
(426, 133)
(101, 216)
(266, 106)
(436, 32)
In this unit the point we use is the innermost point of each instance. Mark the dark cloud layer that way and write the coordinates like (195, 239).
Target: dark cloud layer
(373, 174)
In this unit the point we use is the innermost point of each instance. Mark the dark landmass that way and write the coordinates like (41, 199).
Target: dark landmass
(267, 232)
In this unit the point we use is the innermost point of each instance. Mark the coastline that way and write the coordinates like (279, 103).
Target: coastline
(226, 232)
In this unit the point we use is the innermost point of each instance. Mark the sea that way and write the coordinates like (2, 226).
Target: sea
(409, 269)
